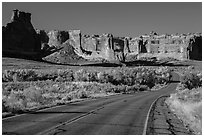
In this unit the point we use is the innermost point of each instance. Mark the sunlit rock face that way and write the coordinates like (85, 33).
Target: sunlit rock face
(181, 47)
(63, 43)
(97, 47)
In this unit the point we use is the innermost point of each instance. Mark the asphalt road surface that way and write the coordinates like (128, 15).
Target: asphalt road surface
(114, 115)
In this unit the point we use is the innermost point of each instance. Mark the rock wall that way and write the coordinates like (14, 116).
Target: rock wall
(181, 47)
(133, 45)
(57, 37)
(195, 47)
(102, 47)
(19, 38)
(97, 47)
(53, 38)
(60, 45)
(75, 39)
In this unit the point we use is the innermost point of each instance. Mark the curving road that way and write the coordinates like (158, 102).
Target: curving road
(118, 115)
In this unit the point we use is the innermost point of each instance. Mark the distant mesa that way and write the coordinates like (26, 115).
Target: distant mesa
(21, 40)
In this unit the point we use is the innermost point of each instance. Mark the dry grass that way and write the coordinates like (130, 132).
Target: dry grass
(187, 102)
(187, 105)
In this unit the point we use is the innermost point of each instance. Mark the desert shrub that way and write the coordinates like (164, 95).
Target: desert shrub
(143, 88)
(92, 76)
(62, 85)
(132, 76)
(104, 77)
(191, 80)
(19, 100)
(133, 88)
(33, 94)
(80, 75)
(187, 101)
(19, 75)
(129, 77)
(119, 89)
(15, 102)
(27, 75)
(193, 95)
(65, 75)
(116, 77)
(7, 75)
(148, 79)
(83, 94)
(126, 76)
(187, 105)
(47, 75)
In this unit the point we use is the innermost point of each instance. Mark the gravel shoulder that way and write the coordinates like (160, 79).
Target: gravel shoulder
(164, 122)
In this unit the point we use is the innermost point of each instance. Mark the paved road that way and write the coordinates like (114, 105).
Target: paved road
(121, 114)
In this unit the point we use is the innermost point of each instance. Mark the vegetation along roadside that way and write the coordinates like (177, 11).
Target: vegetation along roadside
(26, 89)
(186, 103)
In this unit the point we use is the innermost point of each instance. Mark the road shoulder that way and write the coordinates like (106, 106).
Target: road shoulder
(164, 122)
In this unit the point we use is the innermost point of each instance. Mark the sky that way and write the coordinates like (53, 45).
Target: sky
(119, 18)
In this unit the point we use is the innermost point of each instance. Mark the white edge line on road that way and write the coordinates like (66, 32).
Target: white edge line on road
(148, 113)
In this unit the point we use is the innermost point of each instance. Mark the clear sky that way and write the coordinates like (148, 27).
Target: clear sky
(120, 19)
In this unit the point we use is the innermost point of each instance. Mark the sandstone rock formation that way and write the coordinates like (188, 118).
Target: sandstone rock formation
(60, 46)
(20, 39)
(174, 46)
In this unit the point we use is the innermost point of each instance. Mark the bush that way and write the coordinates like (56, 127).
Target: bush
(186, 95)
(46, 75)
(7, 75)
(33, 94)
(187, 105)
(104, 77)
(14, 102)
(65, 75)
(82, 75)
(117, 76)
(191, 80)
(19, 75)
(58, 86)
(143, 88)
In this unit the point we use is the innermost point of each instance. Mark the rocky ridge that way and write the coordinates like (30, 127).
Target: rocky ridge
(64, 47)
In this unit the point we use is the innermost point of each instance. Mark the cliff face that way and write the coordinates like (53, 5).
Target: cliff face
(181, 47)
(20, 38)
(97, 47)
(63, 43)
(195, 47)
(53, 38)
